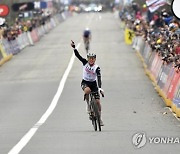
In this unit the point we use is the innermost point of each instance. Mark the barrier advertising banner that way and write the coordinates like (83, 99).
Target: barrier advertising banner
(173, 86)
(169, 79)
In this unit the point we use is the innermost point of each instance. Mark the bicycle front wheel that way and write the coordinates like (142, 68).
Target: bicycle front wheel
(94, 123)
(97, 116)
(93, 117)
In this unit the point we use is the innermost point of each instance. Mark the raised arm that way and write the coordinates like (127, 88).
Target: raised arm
(83, 60)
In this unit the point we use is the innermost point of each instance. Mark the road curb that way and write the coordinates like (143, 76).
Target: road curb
(5, 59)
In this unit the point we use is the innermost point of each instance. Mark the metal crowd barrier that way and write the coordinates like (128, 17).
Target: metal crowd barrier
(165, 78)
(10, 48)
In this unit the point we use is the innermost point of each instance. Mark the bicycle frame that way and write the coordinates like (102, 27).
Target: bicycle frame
(94, 114)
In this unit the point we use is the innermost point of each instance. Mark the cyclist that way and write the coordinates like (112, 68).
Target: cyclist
(87, 38)
(91, 72)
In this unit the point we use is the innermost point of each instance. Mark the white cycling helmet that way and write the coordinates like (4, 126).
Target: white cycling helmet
(91, 55)
(87, 29)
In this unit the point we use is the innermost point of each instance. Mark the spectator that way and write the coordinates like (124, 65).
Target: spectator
(162, 33)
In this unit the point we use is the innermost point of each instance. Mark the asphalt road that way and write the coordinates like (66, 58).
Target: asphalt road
(30, 81)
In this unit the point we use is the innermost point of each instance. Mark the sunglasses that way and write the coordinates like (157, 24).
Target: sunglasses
(91, 58)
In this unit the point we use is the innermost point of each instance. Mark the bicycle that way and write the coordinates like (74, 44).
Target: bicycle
(87, 44)
(94, 112)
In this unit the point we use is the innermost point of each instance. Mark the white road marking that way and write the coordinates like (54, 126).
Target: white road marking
(26, 138)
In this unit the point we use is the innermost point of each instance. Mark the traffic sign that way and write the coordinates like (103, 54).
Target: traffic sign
(4, 10)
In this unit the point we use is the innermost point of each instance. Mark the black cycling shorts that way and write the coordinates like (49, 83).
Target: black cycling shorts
(86, 36)
(92, 86)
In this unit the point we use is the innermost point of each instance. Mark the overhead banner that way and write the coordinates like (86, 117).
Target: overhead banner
(23, 6)
(29, 6)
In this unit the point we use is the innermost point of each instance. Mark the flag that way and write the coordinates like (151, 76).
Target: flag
(150, 2)
(156, 5)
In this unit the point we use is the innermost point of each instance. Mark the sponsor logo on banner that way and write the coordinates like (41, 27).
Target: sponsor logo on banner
(23, 6)
(164, 76)
(177, 93)
(176, 99)
(172, 88)
(147, 52)
(154, 63)
(150, 60)
(158, 67)
(169, 78)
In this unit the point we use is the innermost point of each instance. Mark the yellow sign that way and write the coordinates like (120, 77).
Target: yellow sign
(129, 35)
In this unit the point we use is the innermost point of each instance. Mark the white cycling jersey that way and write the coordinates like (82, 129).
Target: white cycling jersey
(89, 72)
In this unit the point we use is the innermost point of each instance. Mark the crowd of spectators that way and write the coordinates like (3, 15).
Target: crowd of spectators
(161, 30)
(11, 32)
